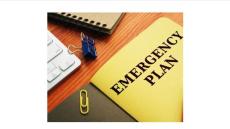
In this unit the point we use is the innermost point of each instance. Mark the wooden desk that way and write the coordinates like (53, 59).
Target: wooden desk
(130, 26)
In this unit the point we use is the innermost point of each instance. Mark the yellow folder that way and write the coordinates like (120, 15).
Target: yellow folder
(145, 77)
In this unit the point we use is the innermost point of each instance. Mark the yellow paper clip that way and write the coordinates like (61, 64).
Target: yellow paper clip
(84, 102)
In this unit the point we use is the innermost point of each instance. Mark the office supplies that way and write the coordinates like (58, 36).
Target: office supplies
(100, 22)
(102, 109)
(84, 102)
(59, 62)
(145, 76)
(88, 47)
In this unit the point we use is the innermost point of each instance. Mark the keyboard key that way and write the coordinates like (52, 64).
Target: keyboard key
(65, 63)
(49, 40)
(50, 67)
(53, 50)
(53, 75)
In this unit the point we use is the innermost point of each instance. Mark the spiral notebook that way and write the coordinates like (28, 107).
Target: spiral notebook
(100, 22)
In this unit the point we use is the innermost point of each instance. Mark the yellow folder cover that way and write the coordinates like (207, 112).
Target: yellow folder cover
(145, 77)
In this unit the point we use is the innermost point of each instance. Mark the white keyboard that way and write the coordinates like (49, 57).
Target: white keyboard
(59, 62)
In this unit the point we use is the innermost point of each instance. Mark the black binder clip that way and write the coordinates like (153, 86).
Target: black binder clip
(88, 46)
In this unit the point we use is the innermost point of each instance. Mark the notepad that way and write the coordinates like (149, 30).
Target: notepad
(145, 77)
(100, 22)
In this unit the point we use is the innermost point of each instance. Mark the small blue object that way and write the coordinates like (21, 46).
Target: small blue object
(88, 46)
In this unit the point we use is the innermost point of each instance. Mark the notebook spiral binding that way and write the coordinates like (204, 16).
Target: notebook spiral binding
(81, 21)
(85, 20)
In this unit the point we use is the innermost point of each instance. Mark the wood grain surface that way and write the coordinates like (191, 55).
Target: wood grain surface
(129, 27)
